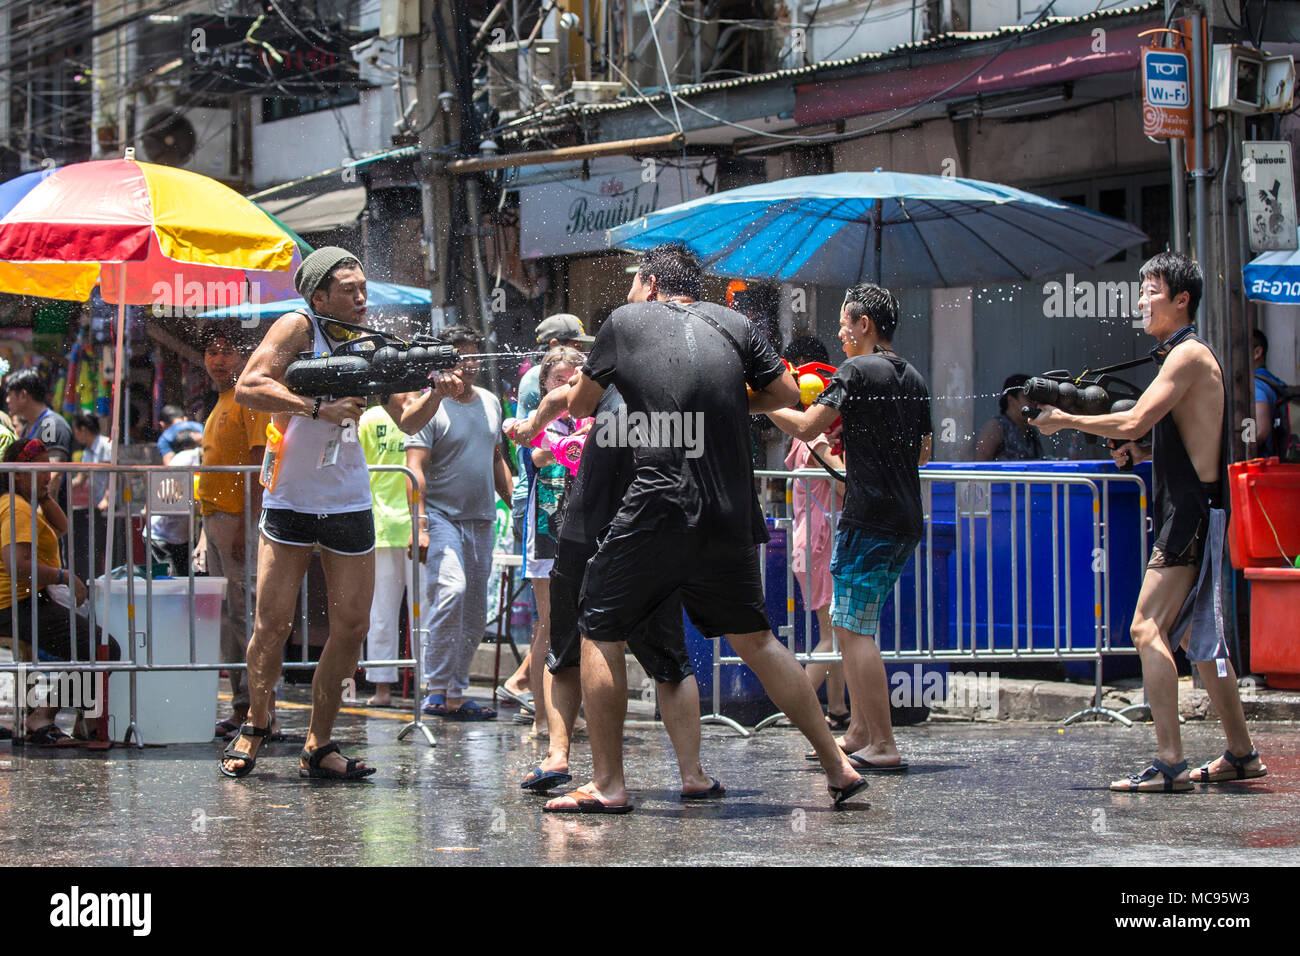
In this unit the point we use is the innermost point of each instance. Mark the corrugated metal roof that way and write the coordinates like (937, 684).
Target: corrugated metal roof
(944, 41)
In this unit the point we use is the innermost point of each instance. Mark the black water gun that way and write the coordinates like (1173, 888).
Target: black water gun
(1090, 393)
(370, 363)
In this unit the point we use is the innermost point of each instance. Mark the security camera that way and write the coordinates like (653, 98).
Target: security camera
(570, 20)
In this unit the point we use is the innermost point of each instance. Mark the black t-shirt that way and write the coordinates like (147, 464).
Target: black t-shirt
(604, 472)
(687, 415)
(886, 411)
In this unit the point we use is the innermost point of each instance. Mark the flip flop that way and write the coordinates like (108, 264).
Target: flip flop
(812, 754)
(715, 792)
(435, 705)
(1238, 771)
(837, 721)
(862, 763)
(843, 795)
(525, 701)
(539, 780)
(588, 805)
(469, 710)
(1136, 781)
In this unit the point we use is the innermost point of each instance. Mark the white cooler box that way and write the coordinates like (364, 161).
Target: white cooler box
(172, 707)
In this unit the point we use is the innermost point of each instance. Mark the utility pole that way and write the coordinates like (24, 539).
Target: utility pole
(434, 77)
(1217, 244)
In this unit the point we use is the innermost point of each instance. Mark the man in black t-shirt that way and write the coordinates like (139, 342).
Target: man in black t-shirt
(887, 435)
(590, 503)
(689, 519)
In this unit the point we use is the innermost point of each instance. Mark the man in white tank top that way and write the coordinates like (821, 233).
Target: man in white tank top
(321, 495)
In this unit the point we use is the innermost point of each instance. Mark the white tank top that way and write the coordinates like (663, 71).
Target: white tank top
(324, 469)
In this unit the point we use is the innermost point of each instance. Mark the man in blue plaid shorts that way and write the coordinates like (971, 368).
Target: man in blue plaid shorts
(887, 434)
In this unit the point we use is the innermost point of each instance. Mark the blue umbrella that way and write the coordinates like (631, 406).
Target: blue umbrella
(1274, 277)
(899, 229)
(380, 295)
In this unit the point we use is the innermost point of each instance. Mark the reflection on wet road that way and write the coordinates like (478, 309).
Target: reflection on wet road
(977, 793)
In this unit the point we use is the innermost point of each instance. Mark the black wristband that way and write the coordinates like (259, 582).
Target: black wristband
(316, 410)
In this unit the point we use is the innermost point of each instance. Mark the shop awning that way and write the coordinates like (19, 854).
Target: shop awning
(318, 211)
(1035, 64)
(1273, 277)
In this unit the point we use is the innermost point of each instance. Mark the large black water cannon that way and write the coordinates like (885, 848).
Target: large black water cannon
(384, 370)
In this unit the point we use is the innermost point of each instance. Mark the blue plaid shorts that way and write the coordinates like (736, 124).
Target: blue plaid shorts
(864, 569)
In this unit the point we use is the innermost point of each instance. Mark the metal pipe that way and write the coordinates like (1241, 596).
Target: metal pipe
(1056, 577)
(1178, 194)
(1015, 569)
(1199, 173)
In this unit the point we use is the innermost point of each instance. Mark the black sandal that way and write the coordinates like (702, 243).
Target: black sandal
(838, 721)
(1136, 782)
(250, 760)
(317, 772)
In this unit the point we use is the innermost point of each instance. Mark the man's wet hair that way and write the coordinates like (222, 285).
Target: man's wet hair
(87, 421)
(232, 335)
(172, 414)
(1012, 382)
(676, 269)
(1181, 273)
(27, 380)
(1260, 341)
(458, 335)
(806, 348)
(875, 302)
(327, 283)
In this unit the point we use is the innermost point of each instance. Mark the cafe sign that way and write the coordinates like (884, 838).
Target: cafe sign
(571, 216)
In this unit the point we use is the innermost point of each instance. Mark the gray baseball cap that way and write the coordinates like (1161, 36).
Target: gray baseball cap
(563, 326)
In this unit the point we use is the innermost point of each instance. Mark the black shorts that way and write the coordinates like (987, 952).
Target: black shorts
(53, 632)
(659, 644)
(350, 533)
(1180, 541)
(636, 571)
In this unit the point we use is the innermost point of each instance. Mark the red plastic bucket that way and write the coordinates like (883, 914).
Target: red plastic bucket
(1265, 527)
(1274, 628)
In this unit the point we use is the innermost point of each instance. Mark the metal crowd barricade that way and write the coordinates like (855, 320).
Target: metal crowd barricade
(146, 490)
(1002, 632)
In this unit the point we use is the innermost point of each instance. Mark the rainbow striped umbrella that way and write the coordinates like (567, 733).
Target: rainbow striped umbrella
(185, 239)
(146, 235)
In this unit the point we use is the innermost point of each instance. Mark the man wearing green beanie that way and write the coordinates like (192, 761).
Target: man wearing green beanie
(319, 494)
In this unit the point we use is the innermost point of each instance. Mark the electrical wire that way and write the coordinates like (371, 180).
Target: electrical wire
(840, 137)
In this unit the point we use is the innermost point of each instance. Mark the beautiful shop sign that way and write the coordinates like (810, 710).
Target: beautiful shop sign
(571, 216)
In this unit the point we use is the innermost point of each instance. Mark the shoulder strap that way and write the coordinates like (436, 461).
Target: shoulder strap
(699, 314)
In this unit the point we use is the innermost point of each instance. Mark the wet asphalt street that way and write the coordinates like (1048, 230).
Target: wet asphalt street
(989, 793)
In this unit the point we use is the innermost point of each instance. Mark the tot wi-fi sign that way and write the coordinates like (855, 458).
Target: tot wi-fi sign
(1166, 93)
